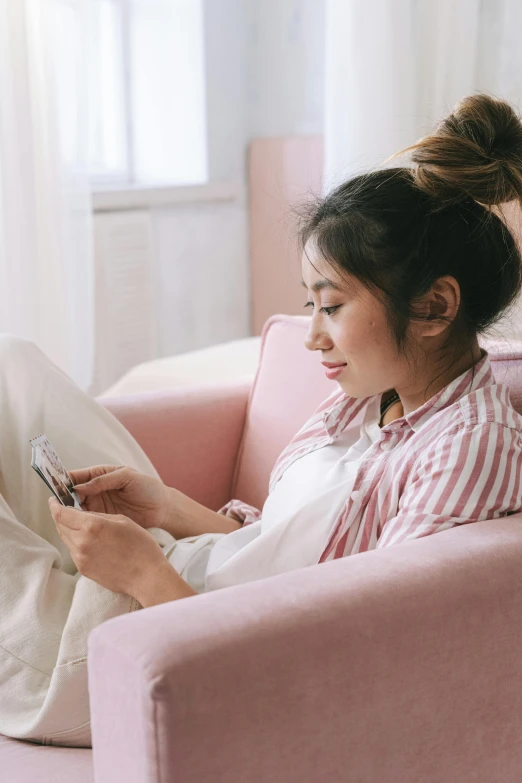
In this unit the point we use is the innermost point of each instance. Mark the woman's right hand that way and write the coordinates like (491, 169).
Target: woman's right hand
(117, 489)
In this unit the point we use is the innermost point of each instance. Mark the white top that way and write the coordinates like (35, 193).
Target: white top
(299, 513)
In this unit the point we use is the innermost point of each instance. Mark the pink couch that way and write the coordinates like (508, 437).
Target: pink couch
(400, 665)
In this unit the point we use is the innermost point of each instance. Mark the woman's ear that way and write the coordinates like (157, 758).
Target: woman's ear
(443, 299)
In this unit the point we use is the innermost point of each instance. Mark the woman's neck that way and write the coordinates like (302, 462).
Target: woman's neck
(409, 402)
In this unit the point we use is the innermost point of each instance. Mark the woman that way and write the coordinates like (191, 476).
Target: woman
(404, 268)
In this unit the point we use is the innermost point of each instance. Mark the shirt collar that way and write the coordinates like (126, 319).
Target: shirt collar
(346, 408)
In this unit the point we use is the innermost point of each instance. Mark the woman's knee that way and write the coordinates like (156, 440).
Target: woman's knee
(13, 345)
(16, 351)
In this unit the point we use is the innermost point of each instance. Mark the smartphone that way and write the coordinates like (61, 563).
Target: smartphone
(46, 462)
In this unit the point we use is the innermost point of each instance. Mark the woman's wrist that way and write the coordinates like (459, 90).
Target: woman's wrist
(186, 517)
(160, 584)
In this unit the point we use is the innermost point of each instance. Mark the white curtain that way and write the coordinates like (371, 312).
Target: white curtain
(46, 247)
(394, 68)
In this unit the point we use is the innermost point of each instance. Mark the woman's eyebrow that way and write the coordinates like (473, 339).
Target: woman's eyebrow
(317, 286)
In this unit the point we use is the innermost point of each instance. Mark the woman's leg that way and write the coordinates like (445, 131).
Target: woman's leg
(37, 397)
(47, 609)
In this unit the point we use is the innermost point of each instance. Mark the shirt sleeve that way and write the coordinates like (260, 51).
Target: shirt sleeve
(466, 476)
(241, 512)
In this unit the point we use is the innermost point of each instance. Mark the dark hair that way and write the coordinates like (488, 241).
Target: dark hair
(398, 230)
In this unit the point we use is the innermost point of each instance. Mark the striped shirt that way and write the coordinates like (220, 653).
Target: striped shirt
(457, 459)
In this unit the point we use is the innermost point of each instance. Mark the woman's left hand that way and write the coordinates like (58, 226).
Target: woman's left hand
(110, 549)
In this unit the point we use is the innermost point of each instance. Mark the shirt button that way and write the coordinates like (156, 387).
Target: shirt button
(356, 494)
(386, 445)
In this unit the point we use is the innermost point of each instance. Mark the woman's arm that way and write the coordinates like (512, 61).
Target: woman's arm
(187, 517)
(160, 585)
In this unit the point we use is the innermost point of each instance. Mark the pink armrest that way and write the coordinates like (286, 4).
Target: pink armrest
(191, 435)
(399, 665)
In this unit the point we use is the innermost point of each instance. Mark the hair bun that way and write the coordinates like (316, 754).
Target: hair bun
(475, 152)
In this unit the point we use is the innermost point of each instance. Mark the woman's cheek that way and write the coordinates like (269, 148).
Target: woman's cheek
(354, 333)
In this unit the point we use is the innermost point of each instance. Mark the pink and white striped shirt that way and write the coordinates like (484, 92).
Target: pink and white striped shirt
(457, 459)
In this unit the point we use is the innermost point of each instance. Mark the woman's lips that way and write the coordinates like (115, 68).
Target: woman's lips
(333, 372)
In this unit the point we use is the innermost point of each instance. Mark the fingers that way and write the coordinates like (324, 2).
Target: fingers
(92, 481)
(73, 518)
(81, 475)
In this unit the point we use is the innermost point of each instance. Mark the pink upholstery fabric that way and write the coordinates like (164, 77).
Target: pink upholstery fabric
(507, 367)
(400, 665)
(282, 172)
(289, 386)
(24, 762)
(191, 435)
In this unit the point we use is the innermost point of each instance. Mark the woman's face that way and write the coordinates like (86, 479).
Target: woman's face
(353, 331)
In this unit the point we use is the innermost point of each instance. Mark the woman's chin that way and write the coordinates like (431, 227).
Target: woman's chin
(350, 391)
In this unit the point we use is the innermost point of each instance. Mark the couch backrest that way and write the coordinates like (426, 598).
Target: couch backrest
(289, 385)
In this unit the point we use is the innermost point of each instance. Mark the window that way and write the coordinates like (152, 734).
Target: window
(146, 91)
(110, 120)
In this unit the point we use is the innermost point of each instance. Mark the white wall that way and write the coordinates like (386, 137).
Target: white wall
(202, 280)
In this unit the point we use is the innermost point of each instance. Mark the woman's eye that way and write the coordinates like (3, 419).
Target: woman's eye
(327, 310)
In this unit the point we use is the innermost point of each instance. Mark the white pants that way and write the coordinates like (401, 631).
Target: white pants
(47, 609)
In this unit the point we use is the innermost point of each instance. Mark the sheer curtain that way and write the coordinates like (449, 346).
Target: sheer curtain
(46, 247)
(394, 69)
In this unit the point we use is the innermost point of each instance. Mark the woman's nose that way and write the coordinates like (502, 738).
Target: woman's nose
(316, 340)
